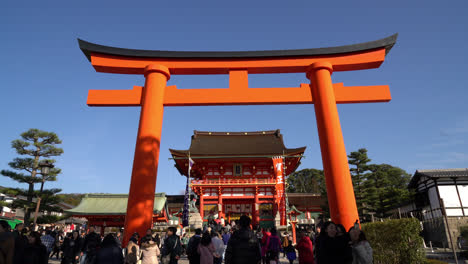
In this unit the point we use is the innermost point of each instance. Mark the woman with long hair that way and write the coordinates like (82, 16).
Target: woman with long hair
(362, 251)
(206, 249)
(133, 251)
(332, 249)
(35, 252)
(150, 252)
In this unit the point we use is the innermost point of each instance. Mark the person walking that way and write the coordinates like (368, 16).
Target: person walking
(192, 247)
(148, 236)
(273, 246)
(110, 252)
(91, 245)
(219, 247)
(206, 249)
(265, 236)
(133, 251)
(118, 238)
(48, 240)
(361, 249)
(57, 244)
(305, 249)
(289, 250)
(20, 243)
(172, 248)
(150, 252)
(7, 243)
(157, 239)
(35, 252)
(71, 248)
(243, 246)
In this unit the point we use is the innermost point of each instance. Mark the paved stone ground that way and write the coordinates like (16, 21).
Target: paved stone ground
(183, 260)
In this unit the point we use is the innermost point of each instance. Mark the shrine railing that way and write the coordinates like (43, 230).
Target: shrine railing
(234, 182)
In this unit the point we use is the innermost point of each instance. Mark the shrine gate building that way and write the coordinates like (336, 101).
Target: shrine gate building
(234, 174)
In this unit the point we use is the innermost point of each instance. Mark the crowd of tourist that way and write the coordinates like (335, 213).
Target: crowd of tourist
(217, 243)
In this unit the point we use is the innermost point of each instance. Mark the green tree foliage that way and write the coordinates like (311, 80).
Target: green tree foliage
(359, 160)
(385, 188)
(35, 146)
(309, 181)
(395, 241)
(71, 198)
(377, 187)
(306, 181)
(49, 219)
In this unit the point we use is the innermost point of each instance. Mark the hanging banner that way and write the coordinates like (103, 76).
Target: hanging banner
(280, 187)
(186, 210)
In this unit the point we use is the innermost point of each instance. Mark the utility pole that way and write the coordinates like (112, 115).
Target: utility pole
(448, 229)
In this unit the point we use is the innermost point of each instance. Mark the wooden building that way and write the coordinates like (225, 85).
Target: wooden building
(233, 173)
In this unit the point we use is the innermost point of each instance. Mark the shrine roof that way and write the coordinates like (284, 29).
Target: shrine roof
(458, 173)
(87, 48)
(111, 204)
(237, 144)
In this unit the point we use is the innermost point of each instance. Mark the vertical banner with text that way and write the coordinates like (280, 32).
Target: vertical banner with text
(280, 188)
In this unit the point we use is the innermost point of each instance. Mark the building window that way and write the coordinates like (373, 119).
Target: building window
(237, 170)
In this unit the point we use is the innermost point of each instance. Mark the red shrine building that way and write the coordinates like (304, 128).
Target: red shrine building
(237, 173)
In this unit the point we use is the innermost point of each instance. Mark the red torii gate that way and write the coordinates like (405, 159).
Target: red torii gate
(318, 65)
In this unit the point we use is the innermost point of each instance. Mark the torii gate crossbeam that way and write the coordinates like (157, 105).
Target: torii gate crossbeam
(317, 64)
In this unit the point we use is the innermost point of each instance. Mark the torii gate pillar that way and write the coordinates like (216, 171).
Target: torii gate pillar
(335, 162)
(145, 163)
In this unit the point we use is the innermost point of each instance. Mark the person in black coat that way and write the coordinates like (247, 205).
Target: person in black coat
(172, 245)
(192, 246)
(110, 252)
(71, 248)
(21, 240)
(35, 252)
(91, 245)
(332, 249)
(243, 246)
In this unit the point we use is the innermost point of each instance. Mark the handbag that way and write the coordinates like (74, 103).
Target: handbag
(167, 258)
(291, 255)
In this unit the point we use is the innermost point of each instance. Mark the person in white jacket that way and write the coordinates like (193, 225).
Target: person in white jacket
(362, 251)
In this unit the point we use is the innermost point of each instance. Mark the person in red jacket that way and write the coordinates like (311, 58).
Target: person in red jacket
(305, 249)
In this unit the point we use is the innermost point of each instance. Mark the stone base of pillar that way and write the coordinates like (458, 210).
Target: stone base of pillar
(195, 221)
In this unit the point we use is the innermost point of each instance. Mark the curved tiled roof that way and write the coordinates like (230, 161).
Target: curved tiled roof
(111, 204)
(257, 143)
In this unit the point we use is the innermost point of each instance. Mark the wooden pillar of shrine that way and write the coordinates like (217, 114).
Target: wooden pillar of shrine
(256, 208)
(202, 205)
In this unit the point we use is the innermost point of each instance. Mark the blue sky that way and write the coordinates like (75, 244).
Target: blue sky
(45, 80)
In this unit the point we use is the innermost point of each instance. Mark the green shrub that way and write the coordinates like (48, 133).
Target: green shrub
(435, 261)
(396, 241)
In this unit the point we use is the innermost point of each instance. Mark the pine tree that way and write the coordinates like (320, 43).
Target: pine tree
(358, 174)
(39, 146)
(385, 188)
(309, 181)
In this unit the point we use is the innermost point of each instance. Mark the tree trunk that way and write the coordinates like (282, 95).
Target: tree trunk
(27, 212)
